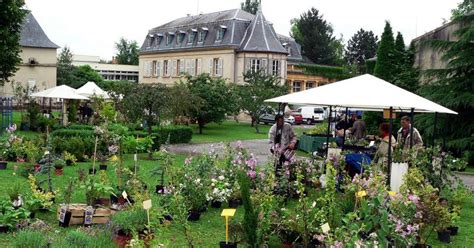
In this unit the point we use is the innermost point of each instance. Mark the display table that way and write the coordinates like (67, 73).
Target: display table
(311, 143)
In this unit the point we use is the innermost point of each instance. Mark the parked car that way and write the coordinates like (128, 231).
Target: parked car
(269, 117)
(312, 114)
(298, 117)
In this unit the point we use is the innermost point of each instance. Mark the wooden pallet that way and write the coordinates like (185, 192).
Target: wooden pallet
(101, 215)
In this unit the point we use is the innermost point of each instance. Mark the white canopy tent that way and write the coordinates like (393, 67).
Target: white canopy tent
(364, 92)
(91, 89)
(367, 93)
(60, 92)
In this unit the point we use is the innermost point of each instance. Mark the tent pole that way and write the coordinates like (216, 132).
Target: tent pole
(345, 126)
(329, 128)
(411, 126)
(445, 132)
(434, 129)
(390, 146)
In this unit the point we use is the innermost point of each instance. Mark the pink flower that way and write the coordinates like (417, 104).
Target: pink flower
(252, 174)
(239, 144)
(188, 160)
(415, 199)
(261, 175)
(251, 163)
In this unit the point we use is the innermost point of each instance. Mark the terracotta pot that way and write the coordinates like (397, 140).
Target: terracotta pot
(121, 241)
(58, 172)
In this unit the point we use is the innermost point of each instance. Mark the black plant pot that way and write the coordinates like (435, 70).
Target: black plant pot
(234, 203)
(166, 217)
(421, 246)
(159, 189)
(68, 162)
(444, 236)
(3, 165)
(113, 199)
(43, 210)
(67, 219)
(194, 215)
(216, 204)
(103, 167)
(453, 230)
(223, 244)
(92, 171)
(32, 215)
(3, 229)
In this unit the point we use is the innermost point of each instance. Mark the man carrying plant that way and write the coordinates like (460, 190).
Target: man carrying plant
(404, 137)
(282, 139)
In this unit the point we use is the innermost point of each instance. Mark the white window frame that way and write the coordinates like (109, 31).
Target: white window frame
(174, 68)
(220, 34)
(294, 87)
(275, 67)
(255, 65)
(181, 66)
(169, 39)
(217, 67)
(158, 69)
(191, 37)
(166, 68)
(153, 66)
(202, 36)
(198, 67)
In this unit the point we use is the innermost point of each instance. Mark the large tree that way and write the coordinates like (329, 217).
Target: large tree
(127, 52)
(83, 74)
(362, 46)
(385, 55)
(453, 87)
(399, 55)
(250, 6)
(65, 69)
(215, 97)
(257, 88)
(12, 14)
(315, 35)
(407, 75)
(465, 7)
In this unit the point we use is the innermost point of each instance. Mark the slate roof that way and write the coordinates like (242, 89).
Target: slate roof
(32, 35)
(295, 52)
(236, 24)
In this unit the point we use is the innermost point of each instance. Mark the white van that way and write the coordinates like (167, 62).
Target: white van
(312, 114)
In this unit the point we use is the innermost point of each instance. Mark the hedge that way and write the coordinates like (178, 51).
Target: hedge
(331, 72)
(79, 139)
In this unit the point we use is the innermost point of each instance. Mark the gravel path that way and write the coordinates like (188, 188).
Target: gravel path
(468, 179)
(260, 148)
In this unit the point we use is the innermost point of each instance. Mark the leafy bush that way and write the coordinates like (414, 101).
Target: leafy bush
(177, 134)
(131, 221)
(30, 239)
(325, 71)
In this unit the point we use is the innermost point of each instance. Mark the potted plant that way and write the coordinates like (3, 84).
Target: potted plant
(127, 222)
(455, 217)
(102, 162)
(442, 224)
(3, 159)
(32, 205)
(219, 192)
(59, 166)
(65, 217)
(69, 158)
(45, 198)
(194, 192)
(235, 198)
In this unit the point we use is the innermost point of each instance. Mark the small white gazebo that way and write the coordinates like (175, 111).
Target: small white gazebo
(60, 92)
(90, 89)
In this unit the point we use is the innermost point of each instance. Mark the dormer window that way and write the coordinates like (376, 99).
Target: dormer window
(202, 34)
(192, 36)
(287, 47)
(169, 38)
(221, 33)
(151, 39)
(180, 38)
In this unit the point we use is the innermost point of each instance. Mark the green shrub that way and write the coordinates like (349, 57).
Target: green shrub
(30, 239)
(130, 221)
(80, 239)
(177, 134)
(331, 72)
(79, 127)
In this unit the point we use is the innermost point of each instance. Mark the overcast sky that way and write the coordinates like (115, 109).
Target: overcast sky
(91, 27)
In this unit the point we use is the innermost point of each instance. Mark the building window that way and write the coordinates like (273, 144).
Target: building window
(158, 68)
(151, 39)
(147, 67)
(220, 34)
(216, 67)
(181, 67)
(255, 65)
(198, 67)
(169, 39)
(275, 67)
(310, 85)
(166, 68)
(296, 86)
(174, 68)
(202, 36)
(191, 36)
(154, 66)
(180, 38)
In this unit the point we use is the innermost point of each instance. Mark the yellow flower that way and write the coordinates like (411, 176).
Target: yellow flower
(114, 158)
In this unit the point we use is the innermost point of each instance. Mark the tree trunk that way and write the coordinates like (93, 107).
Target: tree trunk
(252, 122)
(256, 127)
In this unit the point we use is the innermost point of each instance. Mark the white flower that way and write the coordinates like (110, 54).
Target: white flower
(314, 204)
(212, 184)
(221, 177)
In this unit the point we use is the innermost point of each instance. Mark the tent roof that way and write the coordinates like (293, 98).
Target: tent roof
(364, 92)
(62, 91)
(90, 89)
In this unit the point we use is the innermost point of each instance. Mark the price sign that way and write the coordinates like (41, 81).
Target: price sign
(147, 204)
(325, 227)
(62, 213)
(88, 215)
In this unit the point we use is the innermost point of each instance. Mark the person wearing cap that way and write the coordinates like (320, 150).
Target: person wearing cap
(282, 139)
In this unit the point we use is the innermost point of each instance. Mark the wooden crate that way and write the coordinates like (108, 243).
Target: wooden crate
(101, 215)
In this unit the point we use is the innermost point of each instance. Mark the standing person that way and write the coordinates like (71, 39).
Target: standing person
(381, 156)
(282, 139)
(404, 137)
(359, 128)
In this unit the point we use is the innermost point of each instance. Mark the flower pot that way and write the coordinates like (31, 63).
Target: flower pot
(159, 189)
(32, 215)
(68, 162)
(194, 215)
(453, 230)
(58, 172)
(43, 210)
(121, 241)
(3, 165)
(234, 203)
(103, 167)
(166, 218)
(444, 236)
(67, 219)
(92, 171)
(282, 245)
(216, 204)
(3, 229)
(223, 244)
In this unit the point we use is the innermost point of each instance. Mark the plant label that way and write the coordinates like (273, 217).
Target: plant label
(228, 212)
(62, 213)
(88, 215)
(135, 158)
(392, 193)
(361, 194)
(124, 195)
(147, 204)
(325, 227)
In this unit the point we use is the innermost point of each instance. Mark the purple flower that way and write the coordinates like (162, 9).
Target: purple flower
(251, 163)
(415, 199)
(261, 175)
(113, 149)
(239, 144)
(252, 174)
(188, 160)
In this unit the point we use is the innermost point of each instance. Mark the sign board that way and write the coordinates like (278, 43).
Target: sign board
(124, 195)
(62, 213)
(147, 204)
(386, 114)
(88, 215)
(228, 212)
(325, 228)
